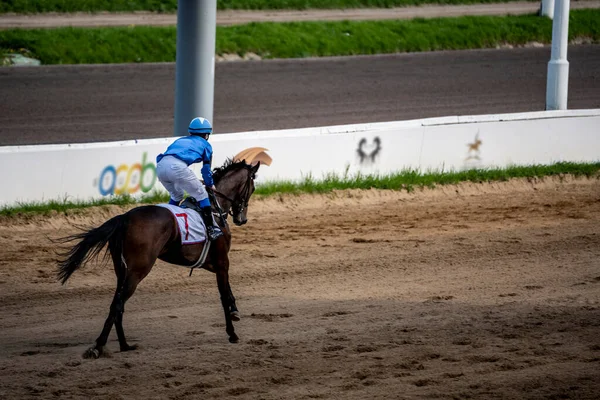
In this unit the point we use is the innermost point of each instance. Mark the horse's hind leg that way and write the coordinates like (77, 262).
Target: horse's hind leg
(126, 293)
(115, 316)
(98, 349)
(126, 285)
(140, 264)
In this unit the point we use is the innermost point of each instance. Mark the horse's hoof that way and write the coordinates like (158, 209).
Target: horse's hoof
(235, 316)
(128, 347)
(92, 353)
(234, 339)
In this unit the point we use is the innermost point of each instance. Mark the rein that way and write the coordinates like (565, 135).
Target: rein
(245, 195)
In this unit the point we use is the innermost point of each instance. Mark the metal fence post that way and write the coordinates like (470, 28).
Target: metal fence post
(195, 62)
(557, 86)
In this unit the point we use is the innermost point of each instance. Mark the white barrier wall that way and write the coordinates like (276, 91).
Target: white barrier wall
(85, 171)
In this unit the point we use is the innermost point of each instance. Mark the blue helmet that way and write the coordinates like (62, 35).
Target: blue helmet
(200, 126)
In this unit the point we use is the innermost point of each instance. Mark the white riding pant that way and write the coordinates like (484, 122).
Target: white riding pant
(177, 178)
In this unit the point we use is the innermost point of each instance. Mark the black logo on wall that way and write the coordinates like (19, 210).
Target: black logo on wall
(368, 152)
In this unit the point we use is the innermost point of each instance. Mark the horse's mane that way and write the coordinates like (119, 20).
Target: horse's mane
(228, 166)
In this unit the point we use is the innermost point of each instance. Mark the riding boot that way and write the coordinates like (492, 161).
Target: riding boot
(213, 232)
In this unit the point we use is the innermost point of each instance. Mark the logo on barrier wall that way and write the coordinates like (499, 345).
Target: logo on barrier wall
(127, 179)
(254, 155)
(368, 152)
(473, 149)
(130, 179)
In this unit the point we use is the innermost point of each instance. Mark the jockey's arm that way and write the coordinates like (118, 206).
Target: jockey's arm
(207, 174)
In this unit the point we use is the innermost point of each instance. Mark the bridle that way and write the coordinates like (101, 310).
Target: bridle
(243, 196)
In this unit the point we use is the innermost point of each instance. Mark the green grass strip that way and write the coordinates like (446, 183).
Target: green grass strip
(61, 206)
(410, 179)
(294, 40)
(40, 6)
(406, 180)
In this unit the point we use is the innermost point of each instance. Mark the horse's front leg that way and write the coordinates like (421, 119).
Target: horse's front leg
(225, 292)
(233, 310)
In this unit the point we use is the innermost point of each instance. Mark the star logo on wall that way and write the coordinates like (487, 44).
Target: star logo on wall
(473, 152)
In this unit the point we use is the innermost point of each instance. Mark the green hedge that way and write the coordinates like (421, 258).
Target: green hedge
(39, 6)
(292, 40)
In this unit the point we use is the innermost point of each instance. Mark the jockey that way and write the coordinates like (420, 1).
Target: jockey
(173, 172)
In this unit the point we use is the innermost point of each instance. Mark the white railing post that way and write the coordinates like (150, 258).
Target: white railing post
(557, 86)
(547, 8)
(195, 62)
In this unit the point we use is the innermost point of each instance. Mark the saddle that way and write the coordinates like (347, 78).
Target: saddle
(212, 229)
(191, 226)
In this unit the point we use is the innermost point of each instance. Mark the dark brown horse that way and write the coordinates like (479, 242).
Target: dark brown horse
(140, 236)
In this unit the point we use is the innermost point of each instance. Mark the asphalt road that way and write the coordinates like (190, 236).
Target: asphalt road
(67, 104)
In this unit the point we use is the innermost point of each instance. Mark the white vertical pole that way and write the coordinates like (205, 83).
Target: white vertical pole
(557, 86)
(547, 8)
(195, 62)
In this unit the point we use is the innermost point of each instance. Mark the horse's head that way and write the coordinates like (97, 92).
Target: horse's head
(235, 184)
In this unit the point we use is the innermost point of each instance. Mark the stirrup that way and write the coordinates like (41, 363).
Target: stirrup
(213, 233)
(190, 202)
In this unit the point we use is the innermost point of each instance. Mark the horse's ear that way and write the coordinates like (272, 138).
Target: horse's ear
(255, 168)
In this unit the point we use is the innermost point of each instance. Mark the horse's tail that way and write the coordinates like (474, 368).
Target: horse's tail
(91, 243)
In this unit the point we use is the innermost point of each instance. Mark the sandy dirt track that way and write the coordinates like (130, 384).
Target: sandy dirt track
(471, 291)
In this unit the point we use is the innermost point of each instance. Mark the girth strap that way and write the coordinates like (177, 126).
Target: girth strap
(202, 258)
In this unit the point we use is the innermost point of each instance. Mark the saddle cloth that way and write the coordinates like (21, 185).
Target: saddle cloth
(190, 223)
